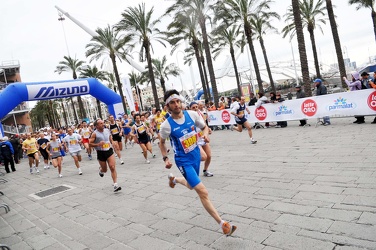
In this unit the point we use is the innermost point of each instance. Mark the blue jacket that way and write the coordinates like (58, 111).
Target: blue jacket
(6, 149)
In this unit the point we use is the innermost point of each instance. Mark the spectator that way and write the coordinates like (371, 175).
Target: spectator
(252, 100)
(365, 80)
(321, 90)
(6, 151)
(300, 94)
(354, 85)
(280, 124)
(372, 84)
(16, 146)
(289, 96)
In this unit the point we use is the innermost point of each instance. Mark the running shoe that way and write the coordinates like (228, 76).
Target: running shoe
(45, 167)
(154, 156)
(208, 174)
(79, 172)
(253, 142)
(147, 162)
(227, 228)
(31, 171)
(37, 170)
(60, 175)
(277, 126)
(117, 188)
(90, 158)
(171, 179)
(101, 174)
(121, 162)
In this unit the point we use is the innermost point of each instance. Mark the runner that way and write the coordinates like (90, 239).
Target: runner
(238, 111)
(141, 133)
(126, 125)
(204, 146)
(101, 139)
(72, 145)
(181, 128)
(85, 133)
(116, 133)
(54, 151)
(42, 146)
(30, 146)
(158, 120)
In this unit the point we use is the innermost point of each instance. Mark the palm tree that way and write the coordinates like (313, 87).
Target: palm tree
(111, 80)
(199, 9)
(239, 11)
(138, 24)
(337, 42)
(94, 72)
(136, 80)
(162, 70)
(73, 65)
(312, 15)
(261, 25)
(184, 27)
(366, 4)
(226, 36)
(301, 45)
(109, 43)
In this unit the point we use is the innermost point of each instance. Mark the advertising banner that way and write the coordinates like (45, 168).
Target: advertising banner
(127, 90)
(334, 105)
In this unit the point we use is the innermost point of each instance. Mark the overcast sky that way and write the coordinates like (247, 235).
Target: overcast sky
(31, 33)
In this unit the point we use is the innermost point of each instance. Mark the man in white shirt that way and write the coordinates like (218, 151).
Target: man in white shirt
(72, 144)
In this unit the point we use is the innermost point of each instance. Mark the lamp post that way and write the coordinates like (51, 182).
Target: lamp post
(177, 60)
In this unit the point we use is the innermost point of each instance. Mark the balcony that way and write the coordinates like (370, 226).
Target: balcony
(20, 129)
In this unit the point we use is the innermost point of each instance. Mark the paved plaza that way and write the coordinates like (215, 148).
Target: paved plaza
(297, 188)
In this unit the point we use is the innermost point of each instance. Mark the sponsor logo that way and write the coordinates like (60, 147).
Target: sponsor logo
(226, 117)
(283, 110)
(260, 113)
(372, 100)
(212, 117)
(309, 107)
(57, 90)
(341, 103)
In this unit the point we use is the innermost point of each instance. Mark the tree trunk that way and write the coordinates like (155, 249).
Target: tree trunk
(113, 59)
(301, 46)
(74, 110)
(208, 58)
(64, 112)
(209, 97)
(373, 15)
(267, 64)
(151, 74)
(163, 84)
(139, 96)
(198, 59)
(248, 34)
(314, 50)
(99, 108)
(337, 42)
(82, 108)
(235, 69)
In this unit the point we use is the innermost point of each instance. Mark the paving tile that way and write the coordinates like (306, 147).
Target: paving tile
(337, 214)
(354, 230)
(311, 223)
(290, 242)
(291, 208)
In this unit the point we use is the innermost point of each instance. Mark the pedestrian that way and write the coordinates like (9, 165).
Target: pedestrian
(31, 147)
(300, 94)
(181, 128)
(101, 139)
(238, 110)
(54, 151)
(72, 144)
(322, 90)
(7, 154)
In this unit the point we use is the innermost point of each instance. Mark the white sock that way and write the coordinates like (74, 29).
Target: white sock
(115, 184)
(79, 169)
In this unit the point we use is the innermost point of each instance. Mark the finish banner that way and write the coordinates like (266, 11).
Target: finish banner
(361, 102)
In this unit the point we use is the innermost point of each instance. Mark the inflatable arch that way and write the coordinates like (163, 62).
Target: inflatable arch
(16, 93)
(200, 93)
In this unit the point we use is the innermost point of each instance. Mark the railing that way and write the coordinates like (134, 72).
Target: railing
(13, 130)
(20, 107)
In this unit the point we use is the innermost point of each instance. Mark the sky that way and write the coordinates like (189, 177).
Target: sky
(31, 33)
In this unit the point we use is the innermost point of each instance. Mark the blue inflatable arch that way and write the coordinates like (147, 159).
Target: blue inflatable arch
(16, 93)
(200, 93)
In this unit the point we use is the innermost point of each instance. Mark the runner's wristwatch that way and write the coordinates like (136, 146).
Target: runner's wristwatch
(165, 158)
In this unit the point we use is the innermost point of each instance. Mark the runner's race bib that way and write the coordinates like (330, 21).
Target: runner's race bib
(189, 141)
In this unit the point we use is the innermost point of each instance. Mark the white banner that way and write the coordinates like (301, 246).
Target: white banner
(361, 102)
(57, 90)
(127, 90)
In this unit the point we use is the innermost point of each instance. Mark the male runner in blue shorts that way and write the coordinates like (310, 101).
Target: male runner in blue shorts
(181, 128)
(238, 111)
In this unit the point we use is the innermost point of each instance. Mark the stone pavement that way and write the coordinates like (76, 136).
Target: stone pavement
(297, 188)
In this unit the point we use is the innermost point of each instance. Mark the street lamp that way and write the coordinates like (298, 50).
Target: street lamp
(5, 77)
(177, 60)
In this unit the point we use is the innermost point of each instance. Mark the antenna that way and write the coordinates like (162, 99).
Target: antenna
(61, 19)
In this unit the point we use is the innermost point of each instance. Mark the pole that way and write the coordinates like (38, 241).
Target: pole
(15, 122)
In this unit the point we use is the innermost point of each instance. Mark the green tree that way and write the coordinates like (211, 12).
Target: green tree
(184, 27)
(74, 65)
(369, 5)
(312, 13)
(201, 10)
(261, 24)
(162, 70)
(227, 37)
(109, 43)
(94, 72)
(301, 46)
(337, 42)
(140, 27)
(239, 11)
